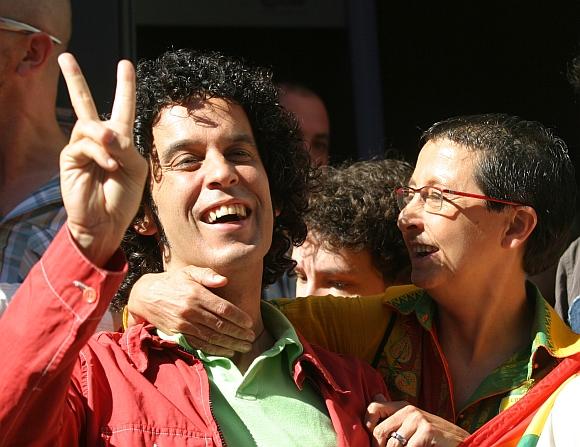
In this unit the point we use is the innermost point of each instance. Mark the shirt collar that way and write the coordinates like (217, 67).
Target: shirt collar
(548, 332)
(47, 194)
(408, 300)
(275, 323)
(548, 329)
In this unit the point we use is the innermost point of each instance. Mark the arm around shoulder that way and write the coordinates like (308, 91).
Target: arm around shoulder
(347, 325)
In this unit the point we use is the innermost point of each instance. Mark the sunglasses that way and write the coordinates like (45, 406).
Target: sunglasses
(15, 26)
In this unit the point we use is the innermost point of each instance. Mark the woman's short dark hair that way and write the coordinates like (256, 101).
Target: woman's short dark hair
(520, 161)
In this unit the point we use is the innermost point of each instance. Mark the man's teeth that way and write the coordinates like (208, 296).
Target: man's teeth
(424, 249)
(237, 210)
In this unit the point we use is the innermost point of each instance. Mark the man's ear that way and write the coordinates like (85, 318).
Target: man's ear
(37, 53)
(521, 224)
(146, 226)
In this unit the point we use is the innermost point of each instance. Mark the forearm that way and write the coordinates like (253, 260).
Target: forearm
(49, 320)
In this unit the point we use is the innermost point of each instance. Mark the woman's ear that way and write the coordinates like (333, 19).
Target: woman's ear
(522, 223)
(146, 226)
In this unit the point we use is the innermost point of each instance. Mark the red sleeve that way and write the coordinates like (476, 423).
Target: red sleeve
(51, 317)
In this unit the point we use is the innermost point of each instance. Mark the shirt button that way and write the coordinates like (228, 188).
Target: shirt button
(90, 295)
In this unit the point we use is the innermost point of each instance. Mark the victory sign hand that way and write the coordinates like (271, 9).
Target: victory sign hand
(102, 174)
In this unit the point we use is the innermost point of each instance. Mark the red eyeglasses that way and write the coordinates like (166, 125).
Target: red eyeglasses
(433, 197)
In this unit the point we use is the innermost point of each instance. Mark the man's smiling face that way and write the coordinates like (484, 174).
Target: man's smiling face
(210, 187)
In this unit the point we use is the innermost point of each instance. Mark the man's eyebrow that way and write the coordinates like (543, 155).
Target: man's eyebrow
(339, 272)
(185, 143)
(242, 138)
(177, 146)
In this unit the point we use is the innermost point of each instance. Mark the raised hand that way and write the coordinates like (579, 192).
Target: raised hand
(102, 174)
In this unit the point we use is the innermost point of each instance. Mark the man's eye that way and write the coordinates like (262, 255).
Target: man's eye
(239, 155)
(338, 284)
(186, 162)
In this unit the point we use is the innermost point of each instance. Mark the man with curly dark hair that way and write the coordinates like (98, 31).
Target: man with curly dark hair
(228, 190)
(191, 80)
(353, 245)
(227, 184)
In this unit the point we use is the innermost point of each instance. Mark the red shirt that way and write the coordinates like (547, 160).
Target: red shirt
(61, 386)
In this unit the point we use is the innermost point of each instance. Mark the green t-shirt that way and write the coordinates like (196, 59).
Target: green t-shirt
(264, 407)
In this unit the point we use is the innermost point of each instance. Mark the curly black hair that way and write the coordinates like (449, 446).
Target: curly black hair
(183, 77)
(354, 207)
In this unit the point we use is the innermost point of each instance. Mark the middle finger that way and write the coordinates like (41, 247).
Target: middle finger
(123, 113)
(79, 92)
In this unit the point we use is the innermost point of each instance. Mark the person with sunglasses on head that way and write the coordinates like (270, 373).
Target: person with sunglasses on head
(32, 35)
(491, 201)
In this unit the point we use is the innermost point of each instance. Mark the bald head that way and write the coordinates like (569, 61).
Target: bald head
(51, 16)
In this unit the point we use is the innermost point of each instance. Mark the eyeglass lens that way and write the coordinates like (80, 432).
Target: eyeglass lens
(431, 197)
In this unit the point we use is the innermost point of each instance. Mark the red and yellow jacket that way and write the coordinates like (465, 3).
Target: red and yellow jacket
(395, 332)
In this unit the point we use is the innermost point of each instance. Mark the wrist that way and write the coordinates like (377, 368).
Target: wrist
(132, 313)
(97, 249)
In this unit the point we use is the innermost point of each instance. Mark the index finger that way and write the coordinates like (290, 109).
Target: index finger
(380, 410)
(78, 90)
(123, 113)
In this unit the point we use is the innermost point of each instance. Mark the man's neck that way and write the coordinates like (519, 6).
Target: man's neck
(29, 153)
(244, 289)
(263, 342)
